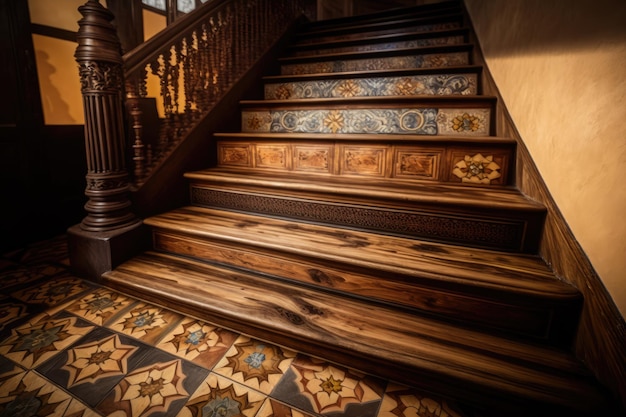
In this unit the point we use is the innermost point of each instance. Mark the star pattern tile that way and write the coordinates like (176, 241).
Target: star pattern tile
(256, 364)
(72, 348)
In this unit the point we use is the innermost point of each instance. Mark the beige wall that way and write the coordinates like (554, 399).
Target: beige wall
(560, 66)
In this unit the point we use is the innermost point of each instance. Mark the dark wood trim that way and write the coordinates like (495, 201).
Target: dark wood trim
(53, 32)
(600, 341)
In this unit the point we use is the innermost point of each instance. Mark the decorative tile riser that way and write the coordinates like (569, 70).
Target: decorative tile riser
(473, 229)
(314, 38)
(525, 317)
(435, 84)
(408, 121)
(415, 43)
(436, 162)
(437, 60)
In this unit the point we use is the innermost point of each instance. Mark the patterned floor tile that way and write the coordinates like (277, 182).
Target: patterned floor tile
(160, 385)
(91, 367)
(41, 338)
(145, 322)
(319, 387)
(219, 396)
(197, 341)
(11, 312)
(18, 275)
(256, 364)
(400, 401)
(100, 305)
(28, 394)
(53, 292)
(273, 408)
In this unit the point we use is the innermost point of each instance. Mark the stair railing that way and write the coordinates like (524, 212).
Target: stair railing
(192, 64)
(140, 106)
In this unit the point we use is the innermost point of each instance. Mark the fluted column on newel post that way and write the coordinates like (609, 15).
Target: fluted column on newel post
(106, 235)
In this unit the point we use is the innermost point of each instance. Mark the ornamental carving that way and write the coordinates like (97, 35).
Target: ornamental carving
(100, 76)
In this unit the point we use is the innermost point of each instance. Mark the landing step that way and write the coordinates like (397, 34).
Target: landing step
(513, 294)
(427, 354)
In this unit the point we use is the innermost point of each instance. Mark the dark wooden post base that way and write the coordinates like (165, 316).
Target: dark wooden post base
(93, 253)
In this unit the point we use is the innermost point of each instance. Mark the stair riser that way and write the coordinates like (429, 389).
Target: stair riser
(528, 317)
(401, 44)
(435, 162)
(466, 226)
(434, 60)
(444, 23)
(435, 84)
(407, 120)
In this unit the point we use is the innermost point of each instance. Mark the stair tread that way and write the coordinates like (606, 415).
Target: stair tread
(365, 137)
(393, 190)
(374, 73)
(384, 38)
(423, 50)
(387, 340)
(395, 255)
(398, 21)
(395, 101)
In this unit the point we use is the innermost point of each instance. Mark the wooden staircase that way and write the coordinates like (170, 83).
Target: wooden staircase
(367, 213)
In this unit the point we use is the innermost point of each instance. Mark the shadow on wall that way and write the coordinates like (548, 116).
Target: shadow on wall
(550, 26)
(54, 106)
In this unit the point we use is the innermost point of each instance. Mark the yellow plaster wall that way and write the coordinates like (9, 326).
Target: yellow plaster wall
(560, 66)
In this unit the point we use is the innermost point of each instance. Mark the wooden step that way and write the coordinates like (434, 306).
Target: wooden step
(393, 59)
(402, 115)
(475, 161)
(468, 365)
(507, 293)
(414, 82)
(399, 25)
(375, 42)
(420, 11)
(492, 218)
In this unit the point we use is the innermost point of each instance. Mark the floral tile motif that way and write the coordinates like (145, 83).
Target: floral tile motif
(468, 122)
(318, 387)
(91, 367)
(53, 292)
(145, 322)
(44, 336)
(438, 84)
(197, 341)
(400, 401)
(477, 169)
(99, 305)
(378, 64)
(273, 408)
(27, 394)
(160, 385)
(219, 396)
(255, 364)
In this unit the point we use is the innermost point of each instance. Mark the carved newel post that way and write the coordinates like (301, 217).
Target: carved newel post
(105, 235)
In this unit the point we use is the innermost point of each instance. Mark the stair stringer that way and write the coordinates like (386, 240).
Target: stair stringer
(600, 340)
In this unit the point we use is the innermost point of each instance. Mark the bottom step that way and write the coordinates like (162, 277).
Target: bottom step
(467, 365)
